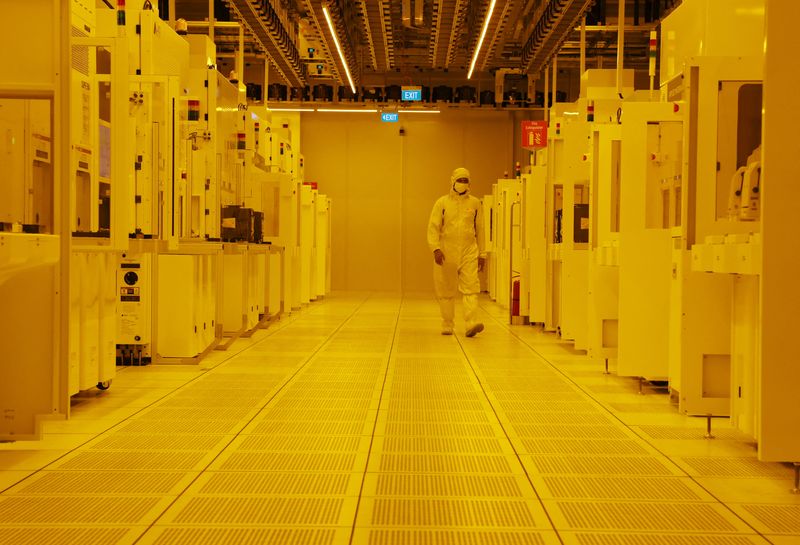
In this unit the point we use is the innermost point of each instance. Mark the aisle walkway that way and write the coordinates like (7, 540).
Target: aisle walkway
(354, 421)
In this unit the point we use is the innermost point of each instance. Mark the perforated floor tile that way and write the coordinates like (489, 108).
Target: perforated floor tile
(451, 513)
(402, 536)
(734, 467)
(442, 463)
(262, 511)
(599, 538)
(653, 517)
(252, 483)
(678, 489)
(603, 447)
(120, 460)
(598, 465)
(240, 536)
(289, 461)
(455, 486)
(50, 535)
(74, 483)
(771, 518)
(59, 510)
(669, 432)
(463, 445)
(275, 445)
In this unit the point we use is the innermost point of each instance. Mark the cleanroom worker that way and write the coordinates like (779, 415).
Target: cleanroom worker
(455, 236)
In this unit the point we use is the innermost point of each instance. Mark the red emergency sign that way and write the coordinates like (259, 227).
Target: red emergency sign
(534, 134)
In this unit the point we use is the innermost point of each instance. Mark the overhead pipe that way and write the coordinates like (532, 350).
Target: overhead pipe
(546, 93)
(240, 56)
(620, 45)
(211, 19)
(555, 79)
(583, 47)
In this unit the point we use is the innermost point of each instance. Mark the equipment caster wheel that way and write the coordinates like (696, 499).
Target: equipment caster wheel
(104, 385)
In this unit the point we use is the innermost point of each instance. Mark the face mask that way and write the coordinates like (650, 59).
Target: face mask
(460, 187)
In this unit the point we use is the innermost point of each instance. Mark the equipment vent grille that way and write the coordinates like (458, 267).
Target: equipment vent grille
(459, 513)
(443, 463)
(242, 536)
(780, 519)
(600, 465)
(282, 461)
(74, 510)
(112, 482)
(61, 536)
(260, 510)
(619, 447)
(737, 467)
(448, 537)
(133, 460)
(325, 484)
(643, 516)
(620, 488)
(80, 53)
(448, 485)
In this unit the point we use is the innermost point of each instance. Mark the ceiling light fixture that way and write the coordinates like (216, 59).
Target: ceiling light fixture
(337, 110)
(292, 109)
(339, 47)
(417, 111)
(480, 40)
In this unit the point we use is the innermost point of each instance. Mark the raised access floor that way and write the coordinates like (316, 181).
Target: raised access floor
(354, 421)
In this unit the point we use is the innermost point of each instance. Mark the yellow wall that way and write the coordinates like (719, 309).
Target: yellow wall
(383, 185)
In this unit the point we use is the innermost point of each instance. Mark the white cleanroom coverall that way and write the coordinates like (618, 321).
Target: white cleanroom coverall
(456, 228)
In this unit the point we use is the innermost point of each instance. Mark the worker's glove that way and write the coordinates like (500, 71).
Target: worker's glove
(438, 256)
(481, 263)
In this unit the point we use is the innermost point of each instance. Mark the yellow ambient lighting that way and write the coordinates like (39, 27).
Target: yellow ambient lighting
(480, 40)
(415, 111)
(329, 110)
(292, 109)
(339, 48)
